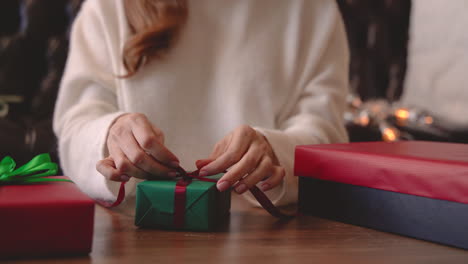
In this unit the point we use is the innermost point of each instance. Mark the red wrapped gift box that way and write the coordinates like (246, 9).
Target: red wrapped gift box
(46, 219)
(418, 189)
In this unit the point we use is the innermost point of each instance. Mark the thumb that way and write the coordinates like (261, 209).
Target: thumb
(202, 163)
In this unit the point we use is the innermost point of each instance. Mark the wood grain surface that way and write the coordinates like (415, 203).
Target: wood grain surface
(253, 236)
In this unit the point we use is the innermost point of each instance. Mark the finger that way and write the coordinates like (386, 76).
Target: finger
(202, 163)
(276, 178)
(158, 134)
(124, 165)
(264, 168)
(235, 151)
(220, 147)
(107, 168)
(150, 141)
(249, 162)
(143, 160)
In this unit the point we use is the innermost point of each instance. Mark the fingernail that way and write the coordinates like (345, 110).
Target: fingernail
(204, 174)
(174, 164)
(223, 186)
(172, 174)
(265, 187)
(124, 178)
(241, 188)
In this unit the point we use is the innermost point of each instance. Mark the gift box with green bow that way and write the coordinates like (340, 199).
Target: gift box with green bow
(167, 204)
(42, 215)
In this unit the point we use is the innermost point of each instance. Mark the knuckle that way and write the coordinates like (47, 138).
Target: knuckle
(117, 131)
(100, 167)
(246, 179)
(232, 157)
(123, 119)
(231, 178)
(238, 175)
(108, 174)
(159, 135)
(157, 131)
(263, 147)
(246, 131)
(267, 162)
(137, 118)
(244, 127)
(111, 137)
(251, 162)
(269, 171)
(123, 166)
(276, 178)
(281, 172)
(138, 157)
(218, 147)
(148, 140)
(248, 183)
(113, 176)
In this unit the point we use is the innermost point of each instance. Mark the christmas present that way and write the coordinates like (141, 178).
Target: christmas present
(185, 203)
(417, 189)
(40, 215)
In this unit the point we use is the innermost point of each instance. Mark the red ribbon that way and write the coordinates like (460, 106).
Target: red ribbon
(260, 196)
(120, 198)
(180, 198)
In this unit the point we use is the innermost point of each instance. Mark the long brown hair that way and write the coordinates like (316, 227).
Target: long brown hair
(154, 25)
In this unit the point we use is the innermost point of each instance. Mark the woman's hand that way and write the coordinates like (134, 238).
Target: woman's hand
(136, 149)
(250, 158)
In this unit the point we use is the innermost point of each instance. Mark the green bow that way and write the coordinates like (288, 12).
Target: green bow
(34, 171)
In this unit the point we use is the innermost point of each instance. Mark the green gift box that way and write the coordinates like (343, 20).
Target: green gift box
(204, 208)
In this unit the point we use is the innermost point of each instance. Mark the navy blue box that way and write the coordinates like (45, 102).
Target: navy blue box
(419, 217)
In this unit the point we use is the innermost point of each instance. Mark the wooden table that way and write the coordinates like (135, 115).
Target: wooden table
(253, 236)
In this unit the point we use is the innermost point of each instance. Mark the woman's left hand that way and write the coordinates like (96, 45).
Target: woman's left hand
(250, 158)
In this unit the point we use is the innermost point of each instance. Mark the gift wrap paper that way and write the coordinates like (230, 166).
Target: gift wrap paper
(205, 208)
(46, 219)
(416, 189)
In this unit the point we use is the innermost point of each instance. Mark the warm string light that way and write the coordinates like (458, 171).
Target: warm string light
(428, 120)
(384, 116)
(390, 134)
(402, 114)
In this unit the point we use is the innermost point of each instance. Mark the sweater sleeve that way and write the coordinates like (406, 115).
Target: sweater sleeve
(87, 103)
(316, 114)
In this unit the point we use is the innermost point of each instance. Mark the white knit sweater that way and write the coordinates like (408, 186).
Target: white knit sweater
(277, 65)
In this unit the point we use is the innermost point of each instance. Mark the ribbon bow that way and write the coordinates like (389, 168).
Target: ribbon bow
(34, 171)
(260, 196)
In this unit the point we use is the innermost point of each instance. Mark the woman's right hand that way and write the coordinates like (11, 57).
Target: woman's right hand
(136, 149)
